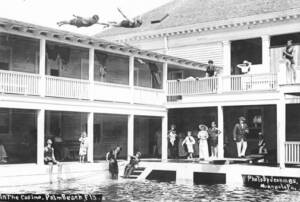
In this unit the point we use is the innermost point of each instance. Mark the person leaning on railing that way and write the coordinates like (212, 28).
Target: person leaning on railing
(211, 69)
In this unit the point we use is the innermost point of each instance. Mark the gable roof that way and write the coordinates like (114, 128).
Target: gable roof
(189, 12)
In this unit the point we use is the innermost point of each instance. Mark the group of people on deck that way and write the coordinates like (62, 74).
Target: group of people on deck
(204, 135)
(207, 138)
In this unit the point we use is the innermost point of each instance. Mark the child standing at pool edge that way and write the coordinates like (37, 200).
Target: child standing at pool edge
(189, 141)
(83, 147)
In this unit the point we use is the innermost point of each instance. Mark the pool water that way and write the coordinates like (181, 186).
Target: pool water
(131, 190)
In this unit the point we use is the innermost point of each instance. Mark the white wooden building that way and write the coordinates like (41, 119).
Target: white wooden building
(228, 32)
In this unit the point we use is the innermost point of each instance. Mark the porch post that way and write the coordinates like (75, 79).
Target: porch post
(266, 52)
(221, 136)
(164, 140)
(281, 131)
(91, 72)
(131, 78)
(40, 136)
(42, 68)
(130, 135)
(165, 79)
(226, 58)
(90, 132)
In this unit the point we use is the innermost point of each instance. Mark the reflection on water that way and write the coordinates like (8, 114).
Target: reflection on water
(129, 190)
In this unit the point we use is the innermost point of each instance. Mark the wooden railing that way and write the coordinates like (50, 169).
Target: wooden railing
(19, 83)
(292, 152)
(192, 86)
(232, 83)
(66, 87)
(150, 96)
(249, 82)
(111, 92)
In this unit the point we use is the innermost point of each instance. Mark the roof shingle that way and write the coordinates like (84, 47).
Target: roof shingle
(189, 12)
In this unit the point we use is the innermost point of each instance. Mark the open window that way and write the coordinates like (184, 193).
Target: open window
(248, 49)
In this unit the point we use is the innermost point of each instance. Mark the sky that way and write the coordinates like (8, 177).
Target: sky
(49, 12)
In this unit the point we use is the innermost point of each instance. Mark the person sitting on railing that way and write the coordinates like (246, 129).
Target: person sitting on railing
(245, 67)
(211, 69)
(288, 54)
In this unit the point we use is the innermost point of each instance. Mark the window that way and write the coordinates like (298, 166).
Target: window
(249, 49)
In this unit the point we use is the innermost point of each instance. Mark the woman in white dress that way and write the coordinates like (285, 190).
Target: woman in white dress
(189, 141)
(203, 146)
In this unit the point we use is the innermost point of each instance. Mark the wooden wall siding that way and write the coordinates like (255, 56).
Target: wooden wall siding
(117, 69)
(200, 52)
(21, 53)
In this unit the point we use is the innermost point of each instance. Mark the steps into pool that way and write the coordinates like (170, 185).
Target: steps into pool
(136, 173)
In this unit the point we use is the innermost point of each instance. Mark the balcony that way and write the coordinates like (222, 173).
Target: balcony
(18, 83)
(225, 84)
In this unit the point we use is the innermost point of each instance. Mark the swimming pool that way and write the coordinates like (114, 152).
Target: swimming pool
(130, 190)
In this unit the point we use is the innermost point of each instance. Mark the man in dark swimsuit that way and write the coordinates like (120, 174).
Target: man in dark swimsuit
(112, 158)
(127, 23)
(288, 54)
(80, 21)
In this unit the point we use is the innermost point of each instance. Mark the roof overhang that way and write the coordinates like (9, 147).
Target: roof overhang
(40, 32)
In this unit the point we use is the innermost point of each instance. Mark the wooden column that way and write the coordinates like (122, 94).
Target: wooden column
(281, 130)
(164, 138)
(42, 68)
(221, 136)
(226, 58)
(266, 52)
(90, 133)
(165, 80)
(130, 136)
(91, 72)
(40, 136)
(131, 78)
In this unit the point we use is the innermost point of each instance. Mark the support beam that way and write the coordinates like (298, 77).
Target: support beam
(221, 136)
(130, 136)
(281, 131)
(131, 78)
(90, 133)
(40, 136)
(164, 138)
(165, 79)
(91, 72)
(226, 58)
(266, 52)
(42, 68)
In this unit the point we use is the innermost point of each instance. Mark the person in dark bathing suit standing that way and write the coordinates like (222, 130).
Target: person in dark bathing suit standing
(112, 157)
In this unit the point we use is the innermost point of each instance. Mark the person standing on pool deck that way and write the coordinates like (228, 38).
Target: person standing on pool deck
(189, 141)
(203, 146)
(49, 159)
(240, 132)
(111, 158)
(172, 137)
(83, 147)
(213, 133)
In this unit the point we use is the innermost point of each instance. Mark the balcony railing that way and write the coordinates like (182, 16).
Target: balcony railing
(234, 83)
(19, 83)
(292, 152)
(111, 92)
(33, 84)
(148, 96)
(67, 88)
